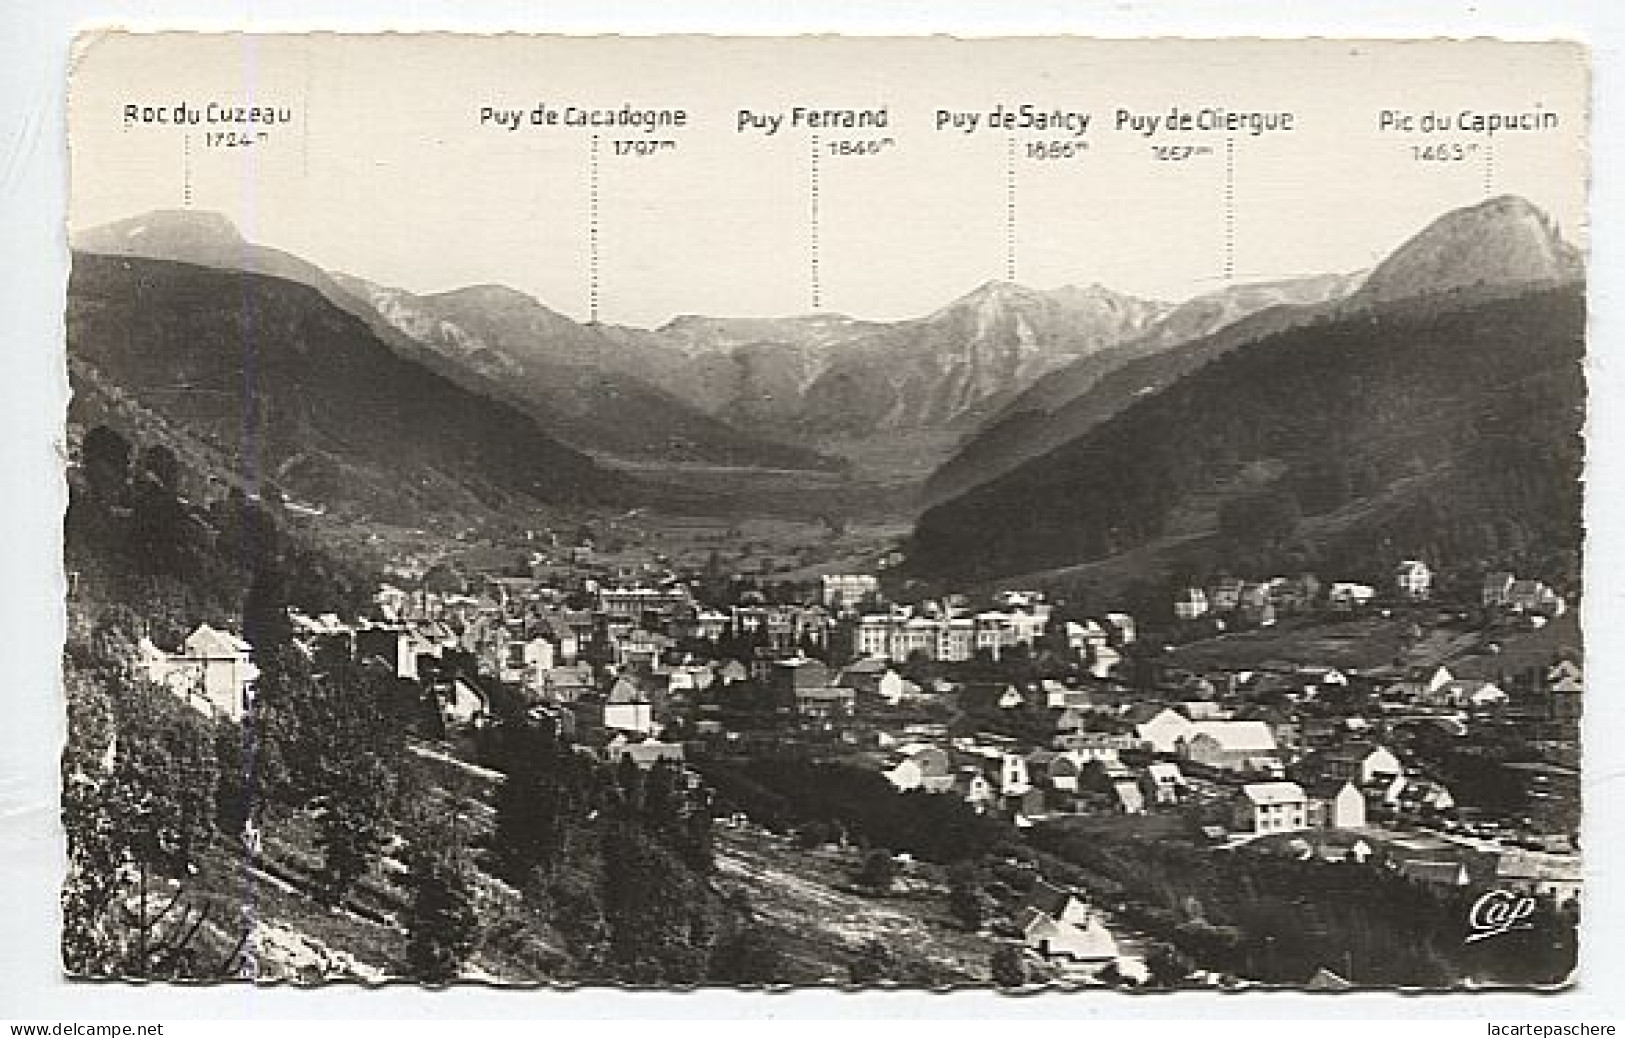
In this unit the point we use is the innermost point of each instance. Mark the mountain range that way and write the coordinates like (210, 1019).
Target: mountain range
(821, 379)
(995, 381)
(1068, 401)
(781, 393)
(1448, 384)
(568, 376)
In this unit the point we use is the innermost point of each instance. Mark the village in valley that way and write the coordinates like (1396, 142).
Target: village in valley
(1414, 732)
(1131, 546)
(1245, 713)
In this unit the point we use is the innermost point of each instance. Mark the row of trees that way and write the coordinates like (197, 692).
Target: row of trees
(786, 794)
(615, 862)
(157, 796)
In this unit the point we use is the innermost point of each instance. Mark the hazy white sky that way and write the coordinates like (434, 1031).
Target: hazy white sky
(386, 171)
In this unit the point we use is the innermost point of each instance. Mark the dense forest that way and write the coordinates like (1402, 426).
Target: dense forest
(141, 539)
(1439, 427)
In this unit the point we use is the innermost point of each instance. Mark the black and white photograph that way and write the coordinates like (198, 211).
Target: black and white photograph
(1040, 515)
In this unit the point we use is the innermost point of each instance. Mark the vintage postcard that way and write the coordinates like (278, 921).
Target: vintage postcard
(688, 511)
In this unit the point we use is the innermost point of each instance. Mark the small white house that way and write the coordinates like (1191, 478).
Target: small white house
(920, 766)
(1337, 805)
(627, 709)
(463, 703)
(1014, 779)
(1413, 579)
(1271, 807)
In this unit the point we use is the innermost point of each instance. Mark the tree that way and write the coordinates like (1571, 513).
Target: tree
(662, 806)
(531, 803)
(105, 456)
(696, 843)
(1009, 966)
(629, 780)
(331, 741)
(878, 872)
(816, 834)
(441, 924)
(360, 758)
(161, 530)
(247, 534)
(237, 795)
(1167, 965)
(747, 955)
(872, 963)
(443, 578)
(576, 911)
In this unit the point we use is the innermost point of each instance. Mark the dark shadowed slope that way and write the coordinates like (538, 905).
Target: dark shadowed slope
(616, 392)
(1471, 407)
(1069, 401)
(1501, 244)
(305, 396)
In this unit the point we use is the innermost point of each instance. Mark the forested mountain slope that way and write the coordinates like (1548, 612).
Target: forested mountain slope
(303, 396)
(1447, 423)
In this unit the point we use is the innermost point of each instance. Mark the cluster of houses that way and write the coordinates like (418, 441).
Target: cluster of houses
(1526, 596)
(1261, 603)
(1225, 752)
(1177, 757)
(624, 668)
